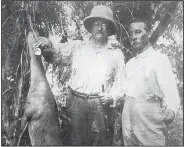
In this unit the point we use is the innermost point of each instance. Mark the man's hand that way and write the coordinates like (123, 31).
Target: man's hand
(106, 99)
(42, 43)
(169, 116)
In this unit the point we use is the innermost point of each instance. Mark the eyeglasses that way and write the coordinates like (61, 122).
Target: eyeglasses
(98, 24)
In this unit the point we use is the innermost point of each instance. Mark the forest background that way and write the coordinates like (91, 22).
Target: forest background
(62, 21)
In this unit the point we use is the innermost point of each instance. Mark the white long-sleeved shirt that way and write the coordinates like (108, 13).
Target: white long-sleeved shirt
(150, 75)
(92, 68)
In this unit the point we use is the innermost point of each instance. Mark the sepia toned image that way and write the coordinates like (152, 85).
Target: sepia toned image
(92, 73)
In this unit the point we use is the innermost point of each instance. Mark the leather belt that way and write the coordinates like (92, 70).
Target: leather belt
(83, 95)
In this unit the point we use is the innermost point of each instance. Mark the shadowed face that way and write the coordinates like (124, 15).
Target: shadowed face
(138, 36)
(99, 30)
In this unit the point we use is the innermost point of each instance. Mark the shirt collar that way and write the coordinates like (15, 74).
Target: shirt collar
(145, 53)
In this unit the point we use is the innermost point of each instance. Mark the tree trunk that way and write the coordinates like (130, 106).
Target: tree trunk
(164, 22)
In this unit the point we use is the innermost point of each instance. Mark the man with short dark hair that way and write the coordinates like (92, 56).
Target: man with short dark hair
(96, 78)
(152, 96)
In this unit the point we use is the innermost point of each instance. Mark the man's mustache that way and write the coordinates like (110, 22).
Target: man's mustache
(135, 41)
(100, 32)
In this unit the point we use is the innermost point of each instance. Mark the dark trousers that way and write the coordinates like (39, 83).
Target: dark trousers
(88, 121)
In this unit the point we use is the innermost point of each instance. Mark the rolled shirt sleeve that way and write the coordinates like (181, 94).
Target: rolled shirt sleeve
(167, 83)
(118, 89)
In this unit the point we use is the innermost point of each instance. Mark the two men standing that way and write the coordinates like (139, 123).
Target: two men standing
(99, 78)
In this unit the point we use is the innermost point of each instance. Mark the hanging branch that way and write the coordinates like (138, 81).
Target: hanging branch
(12, 15)
(122, 26)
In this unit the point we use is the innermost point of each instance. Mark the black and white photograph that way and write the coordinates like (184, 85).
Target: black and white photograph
(92, 73)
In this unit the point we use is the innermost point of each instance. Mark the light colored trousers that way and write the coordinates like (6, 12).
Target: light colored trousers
(142, 122)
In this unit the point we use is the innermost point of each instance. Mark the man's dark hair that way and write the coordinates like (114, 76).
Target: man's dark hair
(147, 24)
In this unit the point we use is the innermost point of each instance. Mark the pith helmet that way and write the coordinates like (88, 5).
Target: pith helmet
(103, 12)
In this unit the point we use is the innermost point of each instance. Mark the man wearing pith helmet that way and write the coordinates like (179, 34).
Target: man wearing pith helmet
(97, 73)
